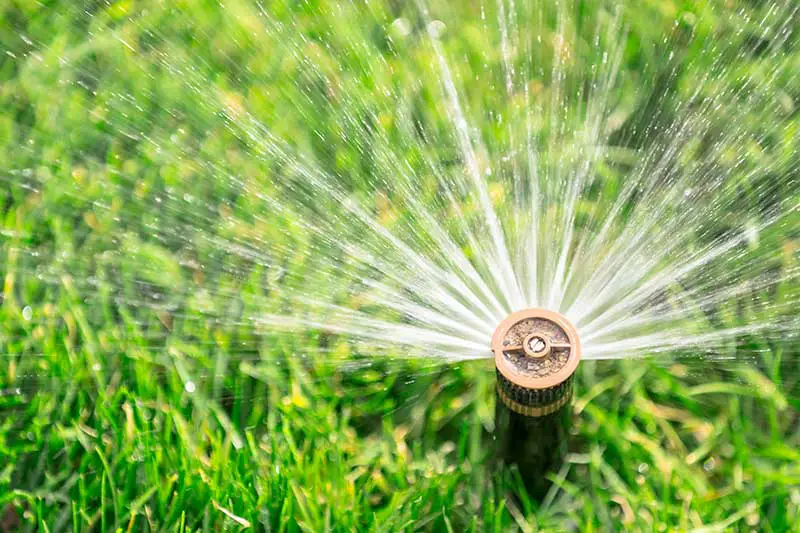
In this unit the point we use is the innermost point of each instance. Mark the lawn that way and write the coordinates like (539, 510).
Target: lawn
(136, 391)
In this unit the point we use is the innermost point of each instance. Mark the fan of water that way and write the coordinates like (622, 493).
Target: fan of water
(404, 180)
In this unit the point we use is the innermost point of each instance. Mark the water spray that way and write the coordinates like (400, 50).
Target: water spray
(536, 353)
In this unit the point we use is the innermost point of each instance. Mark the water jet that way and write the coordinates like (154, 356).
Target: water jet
(536, 354)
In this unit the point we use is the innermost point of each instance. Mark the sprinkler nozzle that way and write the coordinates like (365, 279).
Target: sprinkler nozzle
(536, 352)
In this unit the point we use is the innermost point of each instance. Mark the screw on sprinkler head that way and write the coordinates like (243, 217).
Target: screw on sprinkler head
(536, 353)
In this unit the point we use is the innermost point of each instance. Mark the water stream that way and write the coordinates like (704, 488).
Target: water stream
(400, 182)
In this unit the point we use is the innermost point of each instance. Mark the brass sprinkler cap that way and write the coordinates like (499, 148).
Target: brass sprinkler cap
(536, 349)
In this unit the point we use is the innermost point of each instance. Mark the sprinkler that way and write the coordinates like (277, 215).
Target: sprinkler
(536, 353)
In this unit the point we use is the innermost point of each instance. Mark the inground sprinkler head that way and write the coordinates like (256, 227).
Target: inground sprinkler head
(536, 352)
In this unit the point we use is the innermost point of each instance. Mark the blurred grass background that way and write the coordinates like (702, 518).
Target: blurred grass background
(134, 393)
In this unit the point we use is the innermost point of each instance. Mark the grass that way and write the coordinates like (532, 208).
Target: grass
(134, 395)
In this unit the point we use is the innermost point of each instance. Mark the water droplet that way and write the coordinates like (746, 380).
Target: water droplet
(436, 28)
(27, 312)
(190, 387)
(401, 26)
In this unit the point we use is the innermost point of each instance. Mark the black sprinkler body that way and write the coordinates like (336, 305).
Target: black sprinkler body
(536, 354)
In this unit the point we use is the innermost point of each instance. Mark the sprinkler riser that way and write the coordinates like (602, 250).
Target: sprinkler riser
(531, 445)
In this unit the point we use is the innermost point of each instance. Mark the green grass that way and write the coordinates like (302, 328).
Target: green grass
(116, 296)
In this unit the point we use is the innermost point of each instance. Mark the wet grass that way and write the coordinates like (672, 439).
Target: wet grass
(135, 395)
